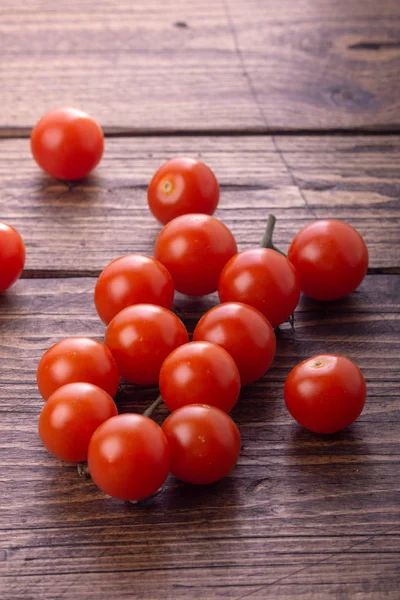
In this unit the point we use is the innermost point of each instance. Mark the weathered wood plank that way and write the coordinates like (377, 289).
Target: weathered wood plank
(228, 577)
(227, 64)
(301, 516)
(278, 458)
(298, 178)
(323, 63)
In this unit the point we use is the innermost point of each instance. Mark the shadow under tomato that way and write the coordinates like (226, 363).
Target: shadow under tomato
(180, 495)
(7, 300)
(51, 190)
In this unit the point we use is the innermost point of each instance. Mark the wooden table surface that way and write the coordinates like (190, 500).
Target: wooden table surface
(296, 107)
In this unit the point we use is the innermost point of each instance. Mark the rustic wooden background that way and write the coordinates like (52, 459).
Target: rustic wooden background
(296, 106)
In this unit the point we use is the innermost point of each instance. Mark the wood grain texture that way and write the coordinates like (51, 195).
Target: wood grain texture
(227, 64)
(298, 178)
(301, 516)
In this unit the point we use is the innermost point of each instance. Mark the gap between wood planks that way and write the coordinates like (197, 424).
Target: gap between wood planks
(71, 273)
(115, 132)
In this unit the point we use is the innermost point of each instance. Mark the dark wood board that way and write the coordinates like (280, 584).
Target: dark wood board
(295, 106)
(299, 179)
(221, 65)
(301, 516)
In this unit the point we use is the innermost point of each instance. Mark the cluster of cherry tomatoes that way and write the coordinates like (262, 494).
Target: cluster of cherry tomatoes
(129, 456)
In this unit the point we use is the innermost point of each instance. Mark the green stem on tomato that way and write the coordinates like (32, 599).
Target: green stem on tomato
(149, 411)
(266, 241)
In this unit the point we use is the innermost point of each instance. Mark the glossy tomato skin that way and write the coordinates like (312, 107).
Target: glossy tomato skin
(70, 417)
(262, 278)
(331, 259)
(67, 143)
(200, 372)
(204, 443)
(244, 332)
(325, 393)
(195, 249)
(77, 359)
(181, 186)
(132, 279)
(141, 337)
(129, 457)
(12, 256)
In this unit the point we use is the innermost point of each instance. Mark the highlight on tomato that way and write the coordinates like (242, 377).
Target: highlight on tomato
(244, 332)
(204, 443)
(330, 257)
(195, 248)
(129, 457)
(12, 256)
(140, 338)
(132, 279)
(262, 278)
(200, 372)
(70, 417)
(325, 393)
(67, 143)
(181, 186)
(77, 359)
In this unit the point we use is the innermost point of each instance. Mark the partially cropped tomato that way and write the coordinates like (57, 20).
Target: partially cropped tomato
(204, 443)
(195, 249)
(244, 332)
(70, 417)
(200, 372)
(67, 143)
(141, 337)
(264, 279)
(132, 279)
(129, 457)
(12, 256)
(325, 393)
(77, 359)
(181, 186)
(331, 259)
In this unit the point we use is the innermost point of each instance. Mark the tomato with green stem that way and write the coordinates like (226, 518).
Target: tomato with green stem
(204, 443)
(181, 186)
(325, 393)
(195, 248)
(77, 359)
(330, 257)
(67, 143)
(12, 256)
(141, 337)
(132, 279)
(129, 457)
(70, 417)
(200, 372)
(244, 332)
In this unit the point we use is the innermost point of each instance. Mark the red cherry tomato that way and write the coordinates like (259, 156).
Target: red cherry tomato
(200, 372)
(244, 332)
(141, 337)
(264, 279)
(181, 186)
(132, 279)
(195, 249)
(12, 256)
(77, 359)
(67, 143)
(129, 457)
(325, 393)
(70, 417)
(331, 259)
(204, 443)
